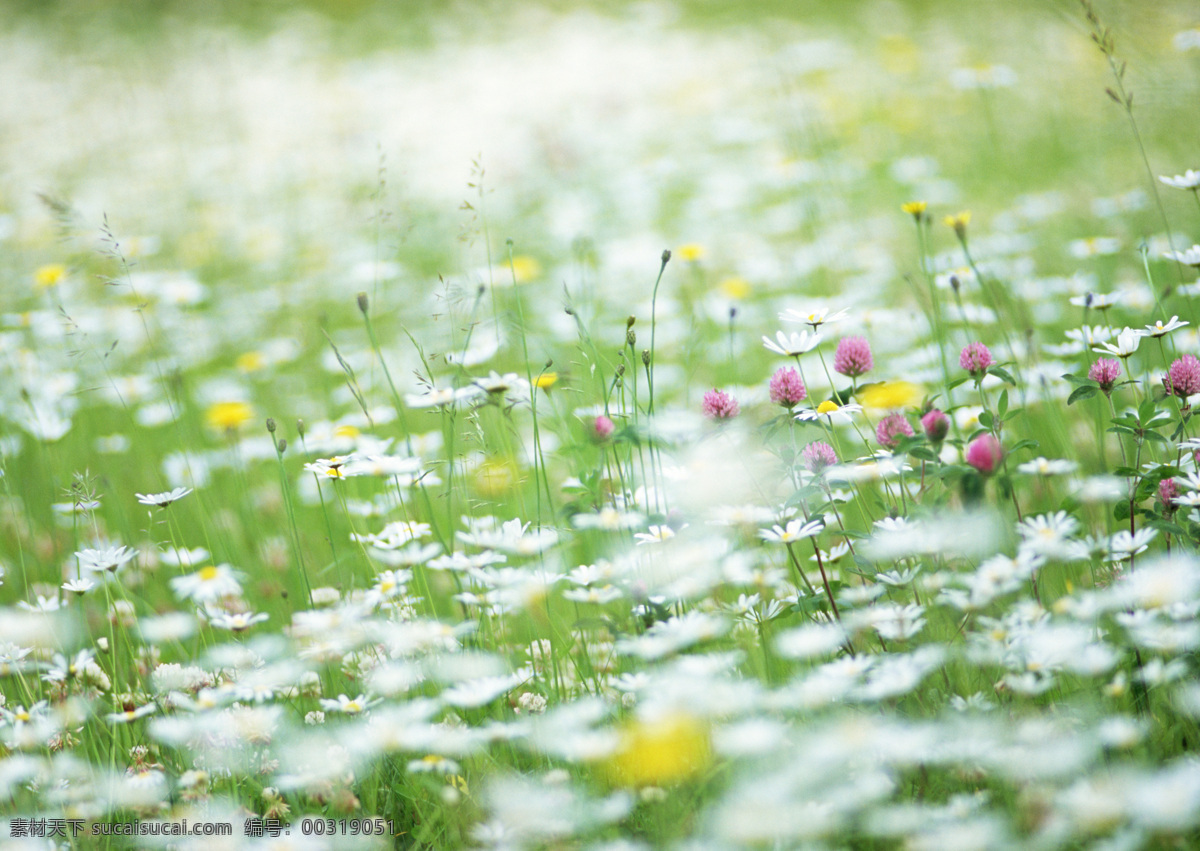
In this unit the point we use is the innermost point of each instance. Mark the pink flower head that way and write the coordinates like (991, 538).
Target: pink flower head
(984, 454)
(1167, 491)
(786, 388)
(936, 425)
(1183, 378)
(719, 405)
(890, 429)
(603, 428)
(1105, 372)
(819, 455)
(853, 357)
(975, 359)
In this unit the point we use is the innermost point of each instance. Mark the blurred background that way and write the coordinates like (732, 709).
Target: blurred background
(597, 121)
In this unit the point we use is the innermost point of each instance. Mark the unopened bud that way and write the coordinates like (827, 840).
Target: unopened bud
(666, 256)
(300, 427)
(645, 357)
(629, 322)
(363, 303)
(281, 446)
(630, 337)
(620, 369)
(271, 425)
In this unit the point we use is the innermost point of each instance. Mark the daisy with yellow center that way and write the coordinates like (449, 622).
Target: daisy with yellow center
(831, 412)
(207, 585)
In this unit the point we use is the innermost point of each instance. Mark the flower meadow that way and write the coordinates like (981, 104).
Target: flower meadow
(410, 437)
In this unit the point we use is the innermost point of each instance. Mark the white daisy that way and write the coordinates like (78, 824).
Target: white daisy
(815, 318)
(1190, 179)
(833, 413)
(162, 500)
(796, 530)
(1160, 328)
(207, 585)
(106, 560)
(1188, 257)
(1045, 467)
(792, 345)
(1127, 343)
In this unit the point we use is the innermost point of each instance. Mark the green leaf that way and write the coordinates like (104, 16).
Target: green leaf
(985, 419)
(1121, 510)
(1080, 393)
(803, 495)
(923, 453)
(1166, 526)
(1002, 404)
(1023, 444)
(1003, 374)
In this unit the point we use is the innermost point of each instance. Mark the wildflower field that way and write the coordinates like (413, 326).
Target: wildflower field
(602, 426)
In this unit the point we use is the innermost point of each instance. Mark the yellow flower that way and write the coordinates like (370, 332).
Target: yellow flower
(228, 416)
(916, 209)
(525, 268)
(495, 477)
(958, 222)
(691, 252)
(50, 275)
(251, 362)
(890, 395)
(661, 752)
(546, 380)
(346, 430)
(735, 287)
(827, 407)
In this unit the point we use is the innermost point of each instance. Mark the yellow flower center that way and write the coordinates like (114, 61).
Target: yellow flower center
(346, 431)
(208, 574)
(827, 407)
